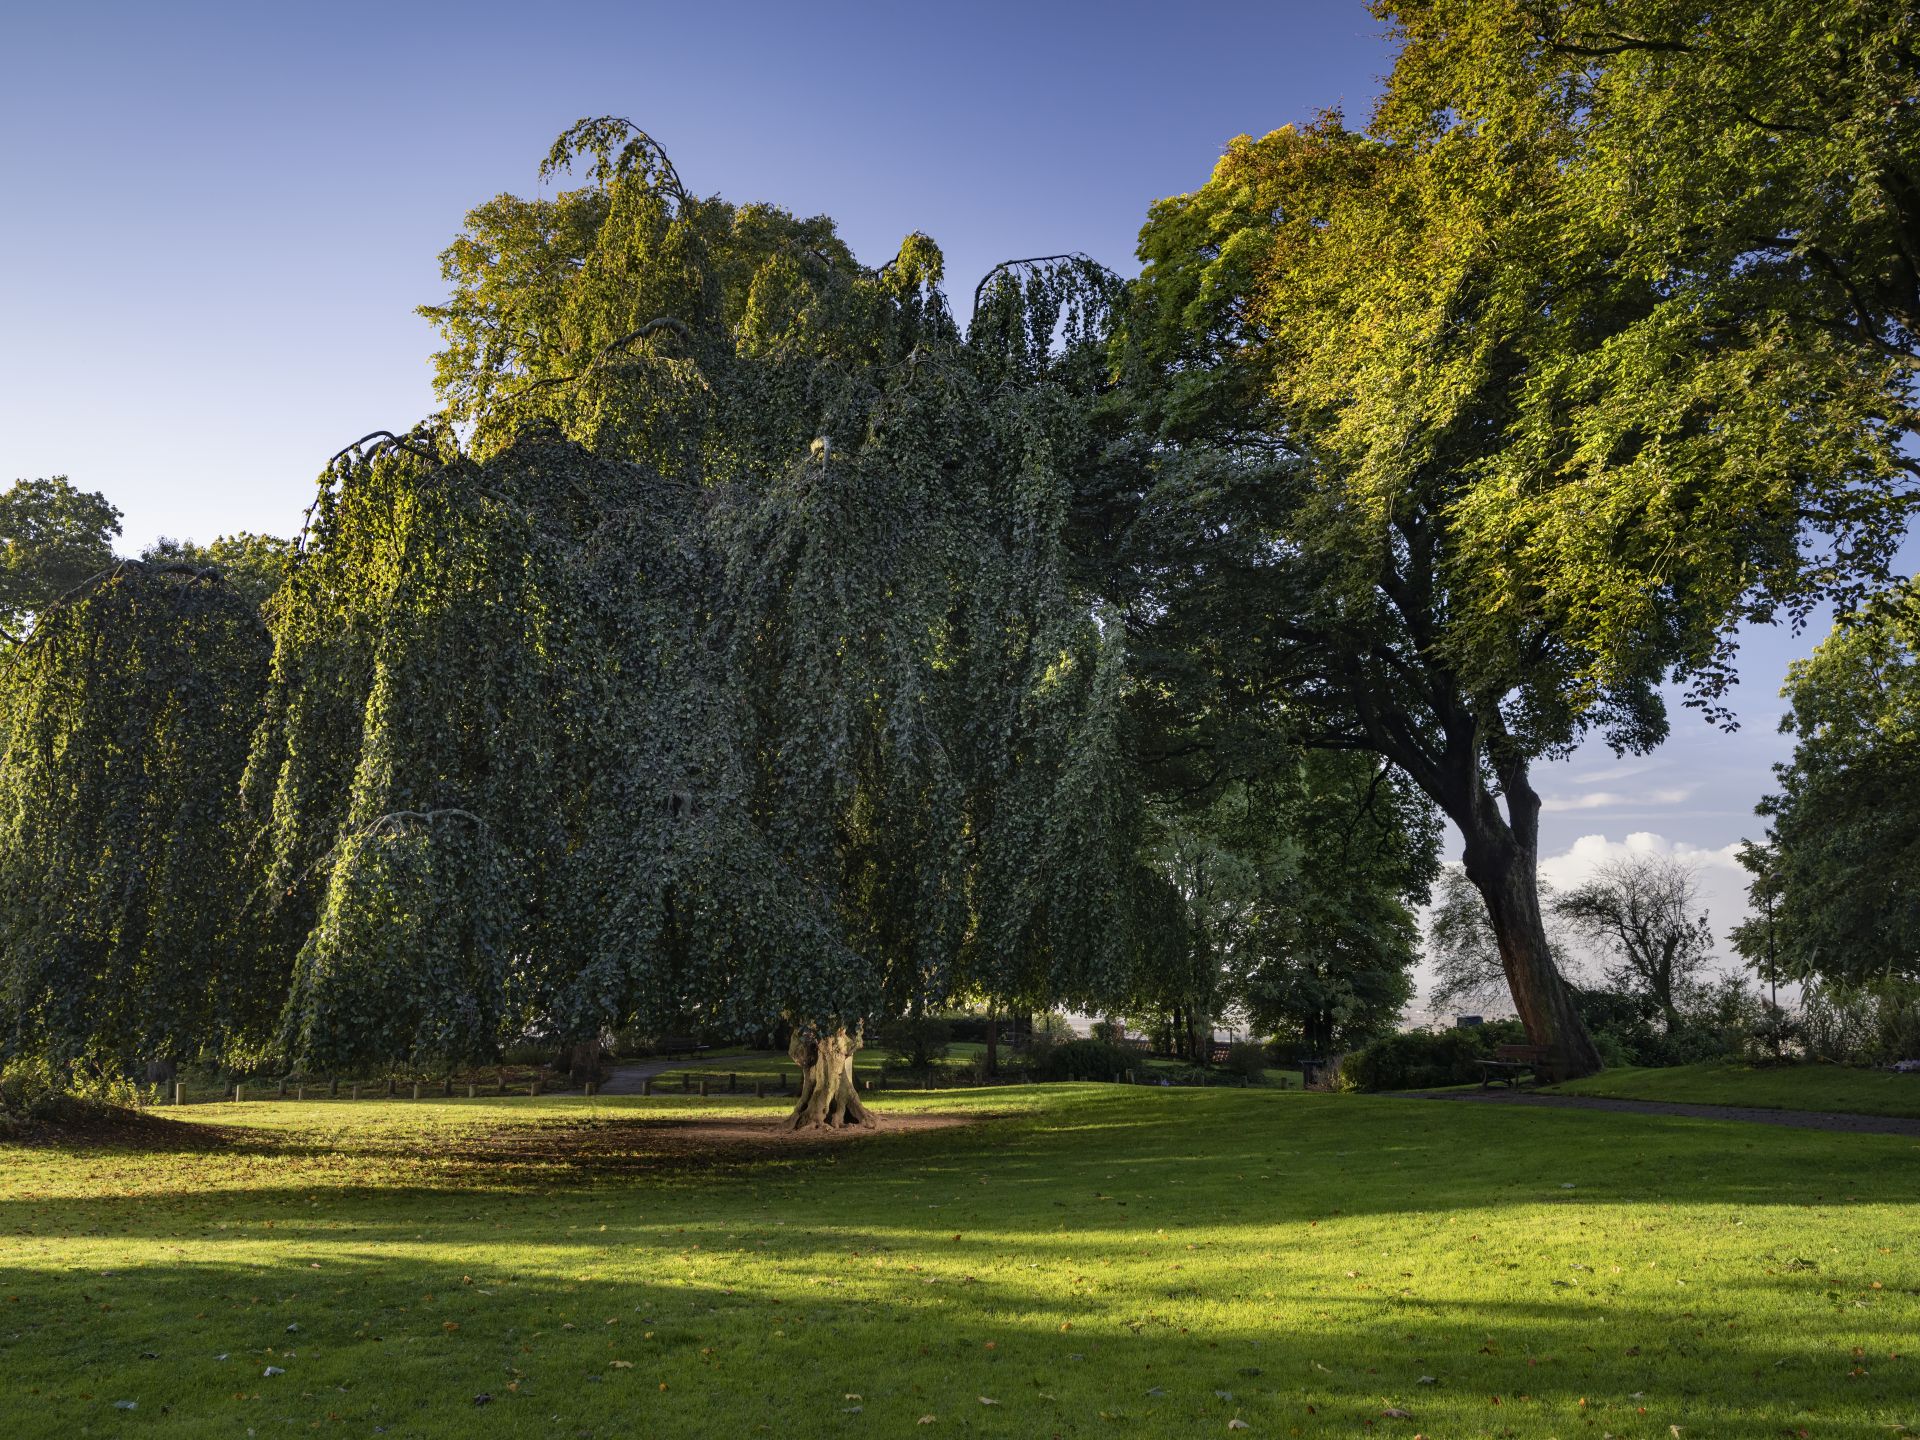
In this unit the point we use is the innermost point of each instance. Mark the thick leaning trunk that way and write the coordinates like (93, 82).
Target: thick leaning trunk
(1507, 879)
(828, 1096)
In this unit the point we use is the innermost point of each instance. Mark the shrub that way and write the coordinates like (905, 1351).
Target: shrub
(1248, 1061)
(1421, 1059)
(1086, 1060)
(915, 1041)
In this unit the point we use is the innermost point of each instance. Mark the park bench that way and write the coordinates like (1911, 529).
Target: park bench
(1510, 1062)
(671, 1045)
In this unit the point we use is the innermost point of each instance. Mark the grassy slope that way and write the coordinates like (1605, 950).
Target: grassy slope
(1100, 1262)
(1788, 1087)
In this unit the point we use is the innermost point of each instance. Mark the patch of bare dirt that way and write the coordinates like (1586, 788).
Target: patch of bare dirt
(72, 1124)
(652, 1144)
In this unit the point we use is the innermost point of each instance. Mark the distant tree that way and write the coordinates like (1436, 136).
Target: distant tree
(1837, 884)
(1326, 958)
(253, 565)
(1643, 913)
(124, 726)
(52, 538)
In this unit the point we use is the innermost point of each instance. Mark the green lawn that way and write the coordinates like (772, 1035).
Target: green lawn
(1092, 1261)
(1779, 1087)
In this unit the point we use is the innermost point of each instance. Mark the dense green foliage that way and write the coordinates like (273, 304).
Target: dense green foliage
(53, 538)
(251, 564)
(1427, 1059)
(1085, 1060)
(1837, 886)
(124, 723)
(1477, 425)
(1292, 885)
(736, 673)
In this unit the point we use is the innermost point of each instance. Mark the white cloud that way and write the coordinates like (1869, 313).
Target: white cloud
(1580, 860)
(1624, 770)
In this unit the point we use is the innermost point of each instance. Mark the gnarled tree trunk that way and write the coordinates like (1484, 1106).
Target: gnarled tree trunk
(828, 1096)
(1502, 860)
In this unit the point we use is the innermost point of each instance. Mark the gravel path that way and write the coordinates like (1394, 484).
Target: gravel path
(1798, 1119)
(625, 1079)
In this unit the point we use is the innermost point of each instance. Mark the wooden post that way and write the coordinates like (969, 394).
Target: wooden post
(283, 1087)
(239, 1093)
(300, 1092)
(333, 1087)
(416, 1089)
(446, 1086)
(533, 1087)
(759, 1087)
(733, 1082)
(646, 1087)
(471, 1087)
(592, 1089)
(783, 1082)
(703, 1087)
(354, 1094)
(179, 1092)
(686, 1081)
(503, 1079)
(389, 1087)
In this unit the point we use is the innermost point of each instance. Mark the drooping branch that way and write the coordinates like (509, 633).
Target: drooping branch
(1075, 257)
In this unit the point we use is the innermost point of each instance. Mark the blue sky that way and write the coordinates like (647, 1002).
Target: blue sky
(218, 220)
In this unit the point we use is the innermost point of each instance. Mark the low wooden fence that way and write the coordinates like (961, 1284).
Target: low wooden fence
(682, 1082)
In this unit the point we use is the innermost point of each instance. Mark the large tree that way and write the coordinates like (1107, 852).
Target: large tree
(1482, 451)
(733, 674)
(124, 722)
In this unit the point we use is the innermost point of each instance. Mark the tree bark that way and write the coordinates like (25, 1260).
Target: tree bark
(829, 1098)
(1502, 861)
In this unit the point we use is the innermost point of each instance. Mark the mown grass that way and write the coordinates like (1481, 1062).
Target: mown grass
(1766, 1087)
(1094, 1261)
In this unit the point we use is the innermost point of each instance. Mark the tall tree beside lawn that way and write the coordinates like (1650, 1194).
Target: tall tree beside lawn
(1494, 454)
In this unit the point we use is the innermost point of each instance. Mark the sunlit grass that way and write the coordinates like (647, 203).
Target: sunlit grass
(1095, 1261)
(1769, 1087)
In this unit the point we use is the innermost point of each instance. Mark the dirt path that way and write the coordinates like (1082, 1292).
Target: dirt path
(1798, 1119)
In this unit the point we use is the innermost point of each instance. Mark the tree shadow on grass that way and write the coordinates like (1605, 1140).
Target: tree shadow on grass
(805, 1339)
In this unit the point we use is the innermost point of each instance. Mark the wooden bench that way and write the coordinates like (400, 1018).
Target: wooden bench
(671, 1045)
(1510, 1062)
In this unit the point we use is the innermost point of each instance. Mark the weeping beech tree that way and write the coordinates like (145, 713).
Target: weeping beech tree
(733, 670)
(123, 730)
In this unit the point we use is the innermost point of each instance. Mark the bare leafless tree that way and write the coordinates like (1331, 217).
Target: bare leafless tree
(1644, 912)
